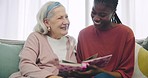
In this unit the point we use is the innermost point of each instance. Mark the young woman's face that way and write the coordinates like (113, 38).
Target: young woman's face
(58, 23)
(101, 16)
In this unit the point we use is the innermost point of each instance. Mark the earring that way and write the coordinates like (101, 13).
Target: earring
(114, 20)
(48, 28)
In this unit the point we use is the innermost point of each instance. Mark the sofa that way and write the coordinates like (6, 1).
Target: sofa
(10, 49)
(9, 59)
(141, 56)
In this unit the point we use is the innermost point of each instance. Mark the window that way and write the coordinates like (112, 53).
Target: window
(18, 17)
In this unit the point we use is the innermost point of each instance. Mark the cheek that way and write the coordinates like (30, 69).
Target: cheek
(68, 22)
(110, 16)
(107, 18)
(92, 16)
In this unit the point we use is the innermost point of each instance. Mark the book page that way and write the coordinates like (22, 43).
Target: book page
(67, 61)
(100, 61)
(69, 67)
(66, 65)
(92, 57)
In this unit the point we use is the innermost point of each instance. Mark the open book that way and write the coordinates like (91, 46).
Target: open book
(93, 60)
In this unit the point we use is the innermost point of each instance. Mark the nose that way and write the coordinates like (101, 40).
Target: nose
(66, 21)
(96, 18)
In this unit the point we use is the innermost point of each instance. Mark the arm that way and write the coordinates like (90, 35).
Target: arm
(99, 70)
(94, 70)
(126, 65)
(54, 77)
(28, 58)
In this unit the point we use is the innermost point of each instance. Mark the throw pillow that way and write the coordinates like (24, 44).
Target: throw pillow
(140, 68)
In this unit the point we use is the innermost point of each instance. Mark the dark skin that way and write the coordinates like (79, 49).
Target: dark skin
(101, 16)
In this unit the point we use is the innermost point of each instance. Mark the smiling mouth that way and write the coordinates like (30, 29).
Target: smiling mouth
(65, 28)
(97, 23)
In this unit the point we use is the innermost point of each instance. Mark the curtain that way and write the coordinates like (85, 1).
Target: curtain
(132, 13)
(18, 17)
(8, 18)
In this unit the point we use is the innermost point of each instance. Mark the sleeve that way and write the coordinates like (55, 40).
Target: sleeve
(28, 58)
(126, 66)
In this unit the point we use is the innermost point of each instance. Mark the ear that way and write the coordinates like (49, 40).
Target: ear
(113, 14)
(46, 22)
(113, 17)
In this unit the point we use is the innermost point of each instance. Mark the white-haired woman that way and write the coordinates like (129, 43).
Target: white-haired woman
(47, 45)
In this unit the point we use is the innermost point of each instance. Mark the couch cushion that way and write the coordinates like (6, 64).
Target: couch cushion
(9, 58)
(142, 61)
(145, 44)
(141, 56)
(139, 41)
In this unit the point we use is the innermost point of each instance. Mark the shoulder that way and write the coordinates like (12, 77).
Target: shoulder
(125, 31)
(87, 30)
(36, 35)
(124, 27)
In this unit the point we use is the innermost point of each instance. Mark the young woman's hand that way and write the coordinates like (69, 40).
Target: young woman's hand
(91, 70)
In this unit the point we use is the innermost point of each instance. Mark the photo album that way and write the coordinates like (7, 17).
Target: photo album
(93, 60)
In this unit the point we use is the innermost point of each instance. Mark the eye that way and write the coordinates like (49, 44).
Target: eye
(60, 17)
(66, 16)
(93, 12)
(102, 14)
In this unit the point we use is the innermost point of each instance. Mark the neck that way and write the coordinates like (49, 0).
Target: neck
(54, 36)
(107, 27)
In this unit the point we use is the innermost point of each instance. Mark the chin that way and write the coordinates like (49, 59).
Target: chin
(65, 33)
(97, 26)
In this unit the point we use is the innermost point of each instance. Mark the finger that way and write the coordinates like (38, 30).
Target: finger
(85, 73)
(92, 67)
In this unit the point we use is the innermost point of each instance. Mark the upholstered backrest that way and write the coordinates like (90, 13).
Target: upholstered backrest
(9, 59)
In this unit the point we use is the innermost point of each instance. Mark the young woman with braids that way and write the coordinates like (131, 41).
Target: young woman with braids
(107, 36)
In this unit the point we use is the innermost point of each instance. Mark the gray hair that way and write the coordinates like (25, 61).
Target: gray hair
(44, 12)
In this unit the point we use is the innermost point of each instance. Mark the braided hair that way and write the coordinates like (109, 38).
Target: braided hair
(113, 5)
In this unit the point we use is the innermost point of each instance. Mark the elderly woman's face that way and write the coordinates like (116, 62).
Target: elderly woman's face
(58, 23)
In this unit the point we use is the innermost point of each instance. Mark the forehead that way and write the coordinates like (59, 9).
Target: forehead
(102, 7)
(59, 10)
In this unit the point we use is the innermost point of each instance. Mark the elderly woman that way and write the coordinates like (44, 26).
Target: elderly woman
(48, 45)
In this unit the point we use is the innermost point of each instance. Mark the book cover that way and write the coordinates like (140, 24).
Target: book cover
(70, 66)
(100, 61)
